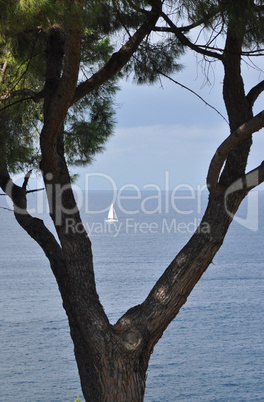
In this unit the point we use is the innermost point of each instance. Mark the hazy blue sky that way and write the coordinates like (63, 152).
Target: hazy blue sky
(167, 129)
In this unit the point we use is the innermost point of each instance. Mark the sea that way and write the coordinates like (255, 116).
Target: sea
(212, 351)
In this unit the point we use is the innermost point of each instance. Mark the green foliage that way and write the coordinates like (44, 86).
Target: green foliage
(78, 399)
(90, 122)
(25, 59)
(244, 17)
(24, 25)
(152, 59)
(23, 40)
(19, 123)
(86, 137)
(95, 52)
(21, 15)
(18, 138)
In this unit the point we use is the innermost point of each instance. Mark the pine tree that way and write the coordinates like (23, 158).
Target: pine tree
(59, 71)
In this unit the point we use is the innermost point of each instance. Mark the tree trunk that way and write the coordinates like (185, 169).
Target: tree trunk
(238, 108)
(113, 360)
(118, 372)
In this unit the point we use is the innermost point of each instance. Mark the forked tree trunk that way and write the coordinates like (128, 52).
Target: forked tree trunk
(113, 362)
(113, 368)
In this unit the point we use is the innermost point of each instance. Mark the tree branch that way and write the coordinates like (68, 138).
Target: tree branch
(3, 70)
(195, 24)
(170, 292)
(255, 92)
(34, 191)
(120, 58)
(193, 92)
(229, 144)
(186, 42)
(7, 209)
(24, 94)
(33, 226)
(254, 178)
(36, 229)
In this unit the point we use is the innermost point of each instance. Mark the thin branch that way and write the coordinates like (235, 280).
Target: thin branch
(257, 52)
(33, 191)
(210, 13)
(207, 47)
(35, 96)
(243, 52)
(244, 131)
(7, 209)
(204, 49)
(182, 29)
(194, 93)
(186, 42)
(2, 74)
(25, 93)
(28, 61)
(162, 29)
(193, 25)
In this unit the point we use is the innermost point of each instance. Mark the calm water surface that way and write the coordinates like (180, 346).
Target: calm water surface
(212, 351)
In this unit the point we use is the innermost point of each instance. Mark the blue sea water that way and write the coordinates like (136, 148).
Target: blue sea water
(212, 351)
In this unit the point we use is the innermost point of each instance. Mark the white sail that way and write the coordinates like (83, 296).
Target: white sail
(111, 215)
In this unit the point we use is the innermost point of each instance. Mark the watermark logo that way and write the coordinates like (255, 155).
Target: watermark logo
(161, 199)
(133, 226)
(150, 209)
(251, 216)
(129, 199)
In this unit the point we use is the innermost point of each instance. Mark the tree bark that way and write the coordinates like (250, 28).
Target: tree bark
(239, 108)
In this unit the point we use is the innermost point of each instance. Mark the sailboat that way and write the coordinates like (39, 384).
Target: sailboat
(111, 215)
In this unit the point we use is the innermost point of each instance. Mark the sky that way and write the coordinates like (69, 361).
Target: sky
(165, 135)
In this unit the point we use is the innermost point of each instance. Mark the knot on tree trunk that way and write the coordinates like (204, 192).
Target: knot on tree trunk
(132, 340)
(131, 337)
